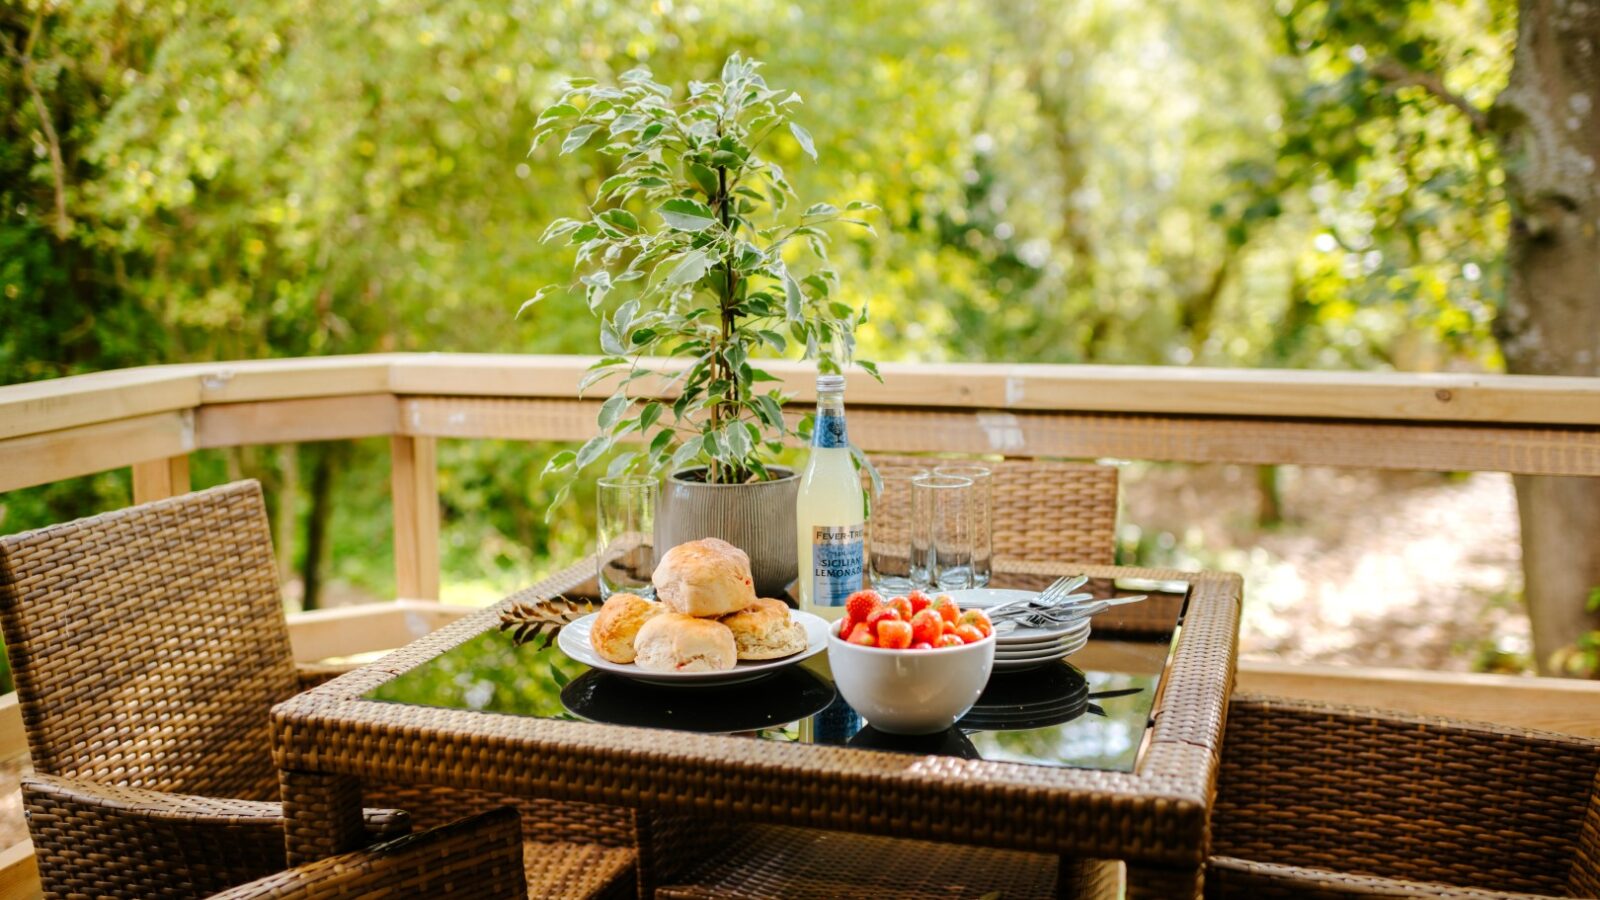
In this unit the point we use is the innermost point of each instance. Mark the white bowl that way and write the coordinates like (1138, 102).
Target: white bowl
(910, 691)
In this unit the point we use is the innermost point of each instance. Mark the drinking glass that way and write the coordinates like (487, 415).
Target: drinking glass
(626, 534)
(941, 533)
(893, 569)
(982, 518)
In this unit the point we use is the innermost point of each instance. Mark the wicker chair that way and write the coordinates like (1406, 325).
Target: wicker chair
(148, 645)
(1322, 802)
(1045, 511)
(478, 858)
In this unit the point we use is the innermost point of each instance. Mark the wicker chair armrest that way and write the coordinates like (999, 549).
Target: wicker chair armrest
(1228, 878)
(190, 809)
(475, 857)
(154, 842)
(1400, 796)
(309, 675)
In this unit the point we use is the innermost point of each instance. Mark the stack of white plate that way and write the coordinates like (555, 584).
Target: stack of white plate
(1025, 648)
(1029, 647)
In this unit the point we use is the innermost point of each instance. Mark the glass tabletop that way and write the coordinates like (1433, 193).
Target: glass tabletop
(1089, 711)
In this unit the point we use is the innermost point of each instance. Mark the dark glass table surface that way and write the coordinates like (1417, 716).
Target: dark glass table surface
(1091, 711)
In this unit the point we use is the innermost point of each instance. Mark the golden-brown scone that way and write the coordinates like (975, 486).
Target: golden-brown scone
(673, 642)
(614, 629)
(765, 630)
(708, 577)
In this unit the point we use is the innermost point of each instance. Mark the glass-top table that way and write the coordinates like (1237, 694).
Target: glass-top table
(1111, 755)
(1091, 711)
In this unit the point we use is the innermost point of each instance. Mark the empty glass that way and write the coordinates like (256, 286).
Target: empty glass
(941, 529)
(893, 569)
(626, 534)
(982, 509)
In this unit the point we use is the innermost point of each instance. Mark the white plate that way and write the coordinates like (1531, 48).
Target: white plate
(574, 642)
(1012, 663)
(1071, 646)
(983, 598)
(1002, 644)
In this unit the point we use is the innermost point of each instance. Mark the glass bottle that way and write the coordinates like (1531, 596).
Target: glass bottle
(830, 511)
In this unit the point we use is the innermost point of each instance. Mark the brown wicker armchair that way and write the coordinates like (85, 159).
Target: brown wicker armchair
(1044, 511)
(1321, 802)
(148, 645)
(478, 858)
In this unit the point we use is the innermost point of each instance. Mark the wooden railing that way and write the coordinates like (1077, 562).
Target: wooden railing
(151, 419)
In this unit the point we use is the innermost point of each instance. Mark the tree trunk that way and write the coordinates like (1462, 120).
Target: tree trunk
(1549, 139)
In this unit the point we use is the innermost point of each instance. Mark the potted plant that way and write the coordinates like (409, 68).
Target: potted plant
(688, 252)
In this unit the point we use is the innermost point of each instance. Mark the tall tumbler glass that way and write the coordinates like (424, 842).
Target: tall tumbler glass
(942, 529)
(982, 518)
(626, 534)
(892, 567)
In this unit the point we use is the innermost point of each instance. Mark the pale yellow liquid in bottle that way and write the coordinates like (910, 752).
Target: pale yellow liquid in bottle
(830, 499)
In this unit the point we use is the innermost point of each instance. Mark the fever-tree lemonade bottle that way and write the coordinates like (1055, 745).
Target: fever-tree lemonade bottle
(830, 512)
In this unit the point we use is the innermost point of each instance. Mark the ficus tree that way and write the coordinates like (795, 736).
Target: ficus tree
(687, 252)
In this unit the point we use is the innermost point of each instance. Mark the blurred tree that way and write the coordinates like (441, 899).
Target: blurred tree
(1417, 118)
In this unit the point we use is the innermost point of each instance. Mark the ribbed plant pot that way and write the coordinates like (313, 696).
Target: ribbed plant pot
(758, 518)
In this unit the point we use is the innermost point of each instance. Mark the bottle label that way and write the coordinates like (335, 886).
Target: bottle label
(838, 559)
(829, 430)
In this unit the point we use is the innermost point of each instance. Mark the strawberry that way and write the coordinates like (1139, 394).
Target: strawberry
(951, 639)
(919, 601)
(903, 606)
(978, 619)
(894, 634)
(847, 625)
(862, 603)
(879, 614)
(948, 610)
(862, 635)
(927, 626)
(969, 634)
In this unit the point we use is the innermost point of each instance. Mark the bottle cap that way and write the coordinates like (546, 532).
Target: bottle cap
(830, 382)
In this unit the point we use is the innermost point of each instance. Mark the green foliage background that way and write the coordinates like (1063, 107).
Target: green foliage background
(1236, 182)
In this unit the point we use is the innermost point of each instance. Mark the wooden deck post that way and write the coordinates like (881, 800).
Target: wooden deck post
(158, 479)
(414, 480)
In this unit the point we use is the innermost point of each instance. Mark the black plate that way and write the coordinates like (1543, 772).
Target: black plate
(787, 695)
(1032, 698)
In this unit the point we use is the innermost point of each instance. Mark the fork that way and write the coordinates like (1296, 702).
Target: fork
(1058, 591)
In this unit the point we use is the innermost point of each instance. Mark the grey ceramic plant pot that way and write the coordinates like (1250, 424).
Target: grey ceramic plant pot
(757, 518)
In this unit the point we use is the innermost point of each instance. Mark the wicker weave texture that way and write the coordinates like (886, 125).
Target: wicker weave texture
(1043, 511)
(148, 644)
(478, 858)
(1391, 796)
(765, 863)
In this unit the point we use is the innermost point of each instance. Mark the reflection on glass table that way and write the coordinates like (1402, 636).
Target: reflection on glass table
(1091, 711)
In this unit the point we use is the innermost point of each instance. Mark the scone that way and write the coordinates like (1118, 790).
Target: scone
(614, 629)
(708, 577)
(672, 642)
(765, 630)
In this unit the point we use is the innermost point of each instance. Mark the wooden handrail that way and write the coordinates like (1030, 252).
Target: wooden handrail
(151, 418)
(45, 406)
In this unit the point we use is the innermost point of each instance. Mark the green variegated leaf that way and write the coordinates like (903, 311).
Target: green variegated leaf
(612, 410)
(577, 137)
(689, 268)
(803, 137)
(687, 215)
